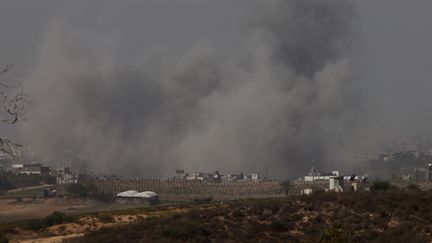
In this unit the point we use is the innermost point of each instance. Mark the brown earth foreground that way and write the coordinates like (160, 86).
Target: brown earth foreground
(321, 217)
(34, 208)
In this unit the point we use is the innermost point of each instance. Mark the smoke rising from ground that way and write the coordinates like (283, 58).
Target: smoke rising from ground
(263, 86)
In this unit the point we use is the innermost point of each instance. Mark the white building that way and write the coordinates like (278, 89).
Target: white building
(336, 183)
(255, 176)
(199, 176)
(315, 175)
(30, 169)
(66, 179)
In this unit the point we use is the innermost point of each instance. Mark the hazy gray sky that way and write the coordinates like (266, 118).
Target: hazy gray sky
(398, 61)
(151, 86)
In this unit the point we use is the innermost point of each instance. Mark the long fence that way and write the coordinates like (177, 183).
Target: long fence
(296, 187)
(180, 189)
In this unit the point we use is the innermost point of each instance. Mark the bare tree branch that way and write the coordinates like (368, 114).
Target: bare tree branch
(13, 105)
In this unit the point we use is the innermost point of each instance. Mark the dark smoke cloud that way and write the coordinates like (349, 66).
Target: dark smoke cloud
(145, 88)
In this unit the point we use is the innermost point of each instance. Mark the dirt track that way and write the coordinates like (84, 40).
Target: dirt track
(11, 209)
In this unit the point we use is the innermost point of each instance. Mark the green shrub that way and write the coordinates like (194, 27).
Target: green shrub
(57, 218)
(336, 233)
(105, 218)
(52, 219)
(184, 231)
(88, 190)
(3, 238)
(4, 183)
(11, 181)
(103, 197)
(280, 226)
(380, 186)
(237, 213)
(203, 200)
(413, 188)
(77, 190)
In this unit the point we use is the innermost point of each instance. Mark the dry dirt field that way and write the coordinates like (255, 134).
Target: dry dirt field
(396, 216)
(36, 208)
(321, 217)
(78, 225)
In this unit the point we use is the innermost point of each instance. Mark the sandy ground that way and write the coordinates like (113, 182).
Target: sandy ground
(54, 239)
(31, 188)
(71, 230)
(29, 208)
(10, 209)
(60, 232)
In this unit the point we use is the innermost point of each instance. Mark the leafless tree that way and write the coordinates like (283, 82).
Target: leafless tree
(13, 103)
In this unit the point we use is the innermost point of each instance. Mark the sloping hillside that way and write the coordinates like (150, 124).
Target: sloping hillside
(322, 217)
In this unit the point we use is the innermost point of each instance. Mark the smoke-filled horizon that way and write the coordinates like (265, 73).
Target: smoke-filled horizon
(144, 88)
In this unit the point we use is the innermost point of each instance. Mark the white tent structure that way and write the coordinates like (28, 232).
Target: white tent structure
(130, 193)
(135, 197)
(146, 194)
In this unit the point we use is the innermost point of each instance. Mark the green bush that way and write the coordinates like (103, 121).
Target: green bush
(280, 226)
(203, 200)
(341, 217)
(380, 186)
(103, 197)
(105, 218)
(88, 190)
(336, 233)
(237, 213)
(4, 183)
(183, 230)
(3, 239)
(413, 188)
(22, 180)
(52, 219)
(78, 190)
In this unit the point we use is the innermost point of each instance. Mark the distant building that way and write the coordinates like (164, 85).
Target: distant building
(217, 177)
(45, 170)
(234, 176)
(180, 174)
(315, 175)
(30, 169)
(253, 176)
(306, 191)
(66, 179)
(336, 183)
(64, 176)
(17, 167)
(200, 176)
(195, 176)
(423, 174)
(351, 178)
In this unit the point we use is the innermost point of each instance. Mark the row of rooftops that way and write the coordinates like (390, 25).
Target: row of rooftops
(315, 175)
(62, 175)
(33, 168)
(216, 176)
